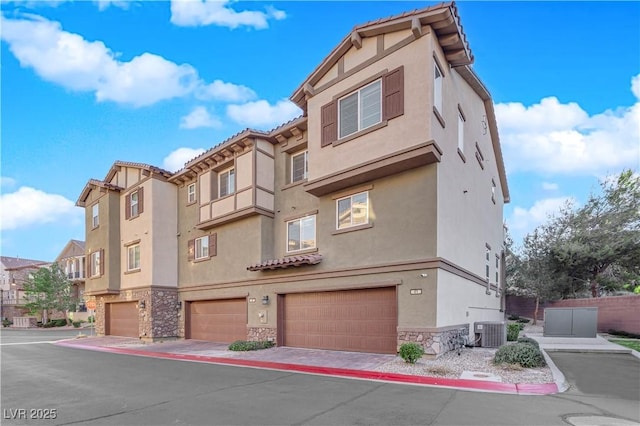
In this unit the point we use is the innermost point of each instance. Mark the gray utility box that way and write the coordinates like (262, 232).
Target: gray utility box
(570, 322)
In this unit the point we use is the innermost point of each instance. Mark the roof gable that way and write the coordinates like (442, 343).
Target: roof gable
(72, 249)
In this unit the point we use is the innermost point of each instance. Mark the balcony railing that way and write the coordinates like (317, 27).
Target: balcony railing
(74, 275)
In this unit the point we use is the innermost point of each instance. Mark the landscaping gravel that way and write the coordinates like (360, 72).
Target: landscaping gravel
(476, 360)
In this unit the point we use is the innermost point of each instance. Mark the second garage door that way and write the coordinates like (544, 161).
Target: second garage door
(351, 320)
(223, 321)
(122, 319)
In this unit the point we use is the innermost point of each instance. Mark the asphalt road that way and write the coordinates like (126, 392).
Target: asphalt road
(93, 388)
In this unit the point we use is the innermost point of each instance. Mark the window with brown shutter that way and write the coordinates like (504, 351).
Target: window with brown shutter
(393, 94)
(127, 206)
(329, 123)
(102, 262)
(140, 200)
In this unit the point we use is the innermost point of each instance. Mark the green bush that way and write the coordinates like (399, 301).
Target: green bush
(48, 324)
(6, 322)
(529, 341)
(523, 320)
(513, 329)
(77, 324)
(244, 345)
(523, 354)
(59, 322)
(411, 352)
(623, 333)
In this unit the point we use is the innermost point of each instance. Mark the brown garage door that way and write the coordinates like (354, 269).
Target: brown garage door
(122, 319)
(351, 320)
(223, 321)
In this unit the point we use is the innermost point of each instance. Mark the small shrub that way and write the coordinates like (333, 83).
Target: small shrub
(48, 324)
(77, 324)
(59, 322)
(523, 354)
(6, 322)
(624, 334)
(244, 345)
(523, 320)
(411, 352)
(513, 329)
(529, 341)
(91, 319)
(513, 317)
(438, 370)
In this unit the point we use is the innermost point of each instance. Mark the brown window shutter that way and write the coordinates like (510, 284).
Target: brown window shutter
(213, 245)
(393, 94)
(329, 123)
(191, 250)
(127, 206)
(140, 200)
(102, 262)
(87, 262)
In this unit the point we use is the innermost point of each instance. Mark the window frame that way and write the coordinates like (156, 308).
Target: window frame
(305, 154)
(95, 215)
(135, 248)
(191, 195)
(200, 248)
(96, 260)
(438, 78)
(300, 237)
(133, 205)
(231, 182)
(351, 197)
(358, 93)
(461, 122)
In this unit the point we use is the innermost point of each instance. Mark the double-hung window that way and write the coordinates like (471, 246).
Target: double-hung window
(301, 234)
(299, 166)
(191, 193)
(95, 215)
(460, 131)
(353, 210)
(134, 207)
(202, 247)
(133, 257)
(361, 109)
(226, 183)
(95, 263)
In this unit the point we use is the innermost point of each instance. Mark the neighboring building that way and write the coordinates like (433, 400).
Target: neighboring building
(374, 219)
(72, 261)
(14, 271)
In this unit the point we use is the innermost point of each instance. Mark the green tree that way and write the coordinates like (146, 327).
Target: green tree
(49, 289)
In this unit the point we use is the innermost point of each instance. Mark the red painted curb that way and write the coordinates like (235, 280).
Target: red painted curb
(464, 384)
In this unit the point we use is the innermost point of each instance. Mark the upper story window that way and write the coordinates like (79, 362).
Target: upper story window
(438, 76)
(226, 182)
(493, 191)
(301, 234)
(191, 193)
(133, 257)
(95, 215)
(460, 131)
(353, 210)
(361, 109)
(134, 203)
(202, 247)
(95, 264)
(299, 166)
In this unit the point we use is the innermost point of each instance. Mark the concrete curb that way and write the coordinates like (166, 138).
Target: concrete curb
(559, 378)
(460, 384)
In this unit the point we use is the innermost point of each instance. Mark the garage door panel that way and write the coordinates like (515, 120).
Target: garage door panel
(123, 319)
(353, 320)
(221, 321)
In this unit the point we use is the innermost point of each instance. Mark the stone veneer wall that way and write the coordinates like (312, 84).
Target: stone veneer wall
(159, 318)
(262, 333)
(435, 342)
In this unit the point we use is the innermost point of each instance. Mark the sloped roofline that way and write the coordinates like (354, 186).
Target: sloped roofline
(78, 243)
(91, 185)
(443, 18)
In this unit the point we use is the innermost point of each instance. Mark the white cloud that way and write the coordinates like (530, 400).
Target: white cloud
(262, 114)
(550, 186)
(77, 64)
(105, 4)
(29, 206)
(524, 220)
(221, 91)
(551, 137)
(177, 159)
(193, 13)
(199, 117)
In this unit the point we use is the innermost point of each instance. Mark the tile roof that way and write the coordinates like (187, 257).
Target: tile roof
(16, 262)
(305, 259)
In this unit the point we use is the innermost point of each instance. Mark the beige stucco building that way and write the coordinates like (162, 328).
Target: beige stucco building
(373, 219)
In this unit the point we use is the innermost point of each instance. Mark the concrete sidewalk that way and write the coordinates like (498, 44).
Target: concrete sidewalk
(578, 344)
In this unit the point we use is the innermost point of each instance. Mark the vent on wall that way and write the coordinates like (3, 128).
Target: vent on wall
(491, 334)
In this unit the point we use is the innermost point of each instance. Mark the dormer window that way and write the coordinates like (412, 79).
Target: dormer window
(361, 109)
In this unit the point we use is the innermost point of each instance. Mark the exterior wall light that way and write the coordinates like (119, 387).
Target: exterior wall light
(265, 300)
(179, 305)
(141, 304)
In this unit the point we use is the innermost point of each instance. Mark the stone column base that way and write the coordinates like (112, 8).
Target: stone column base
(436, 342)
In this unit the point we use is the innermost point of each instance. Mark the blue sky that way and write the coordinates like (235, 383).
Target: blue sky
(87, 83)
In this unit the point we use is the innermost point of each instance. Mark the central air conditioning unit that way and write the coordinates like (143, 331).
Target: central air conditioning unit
(490, 334)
